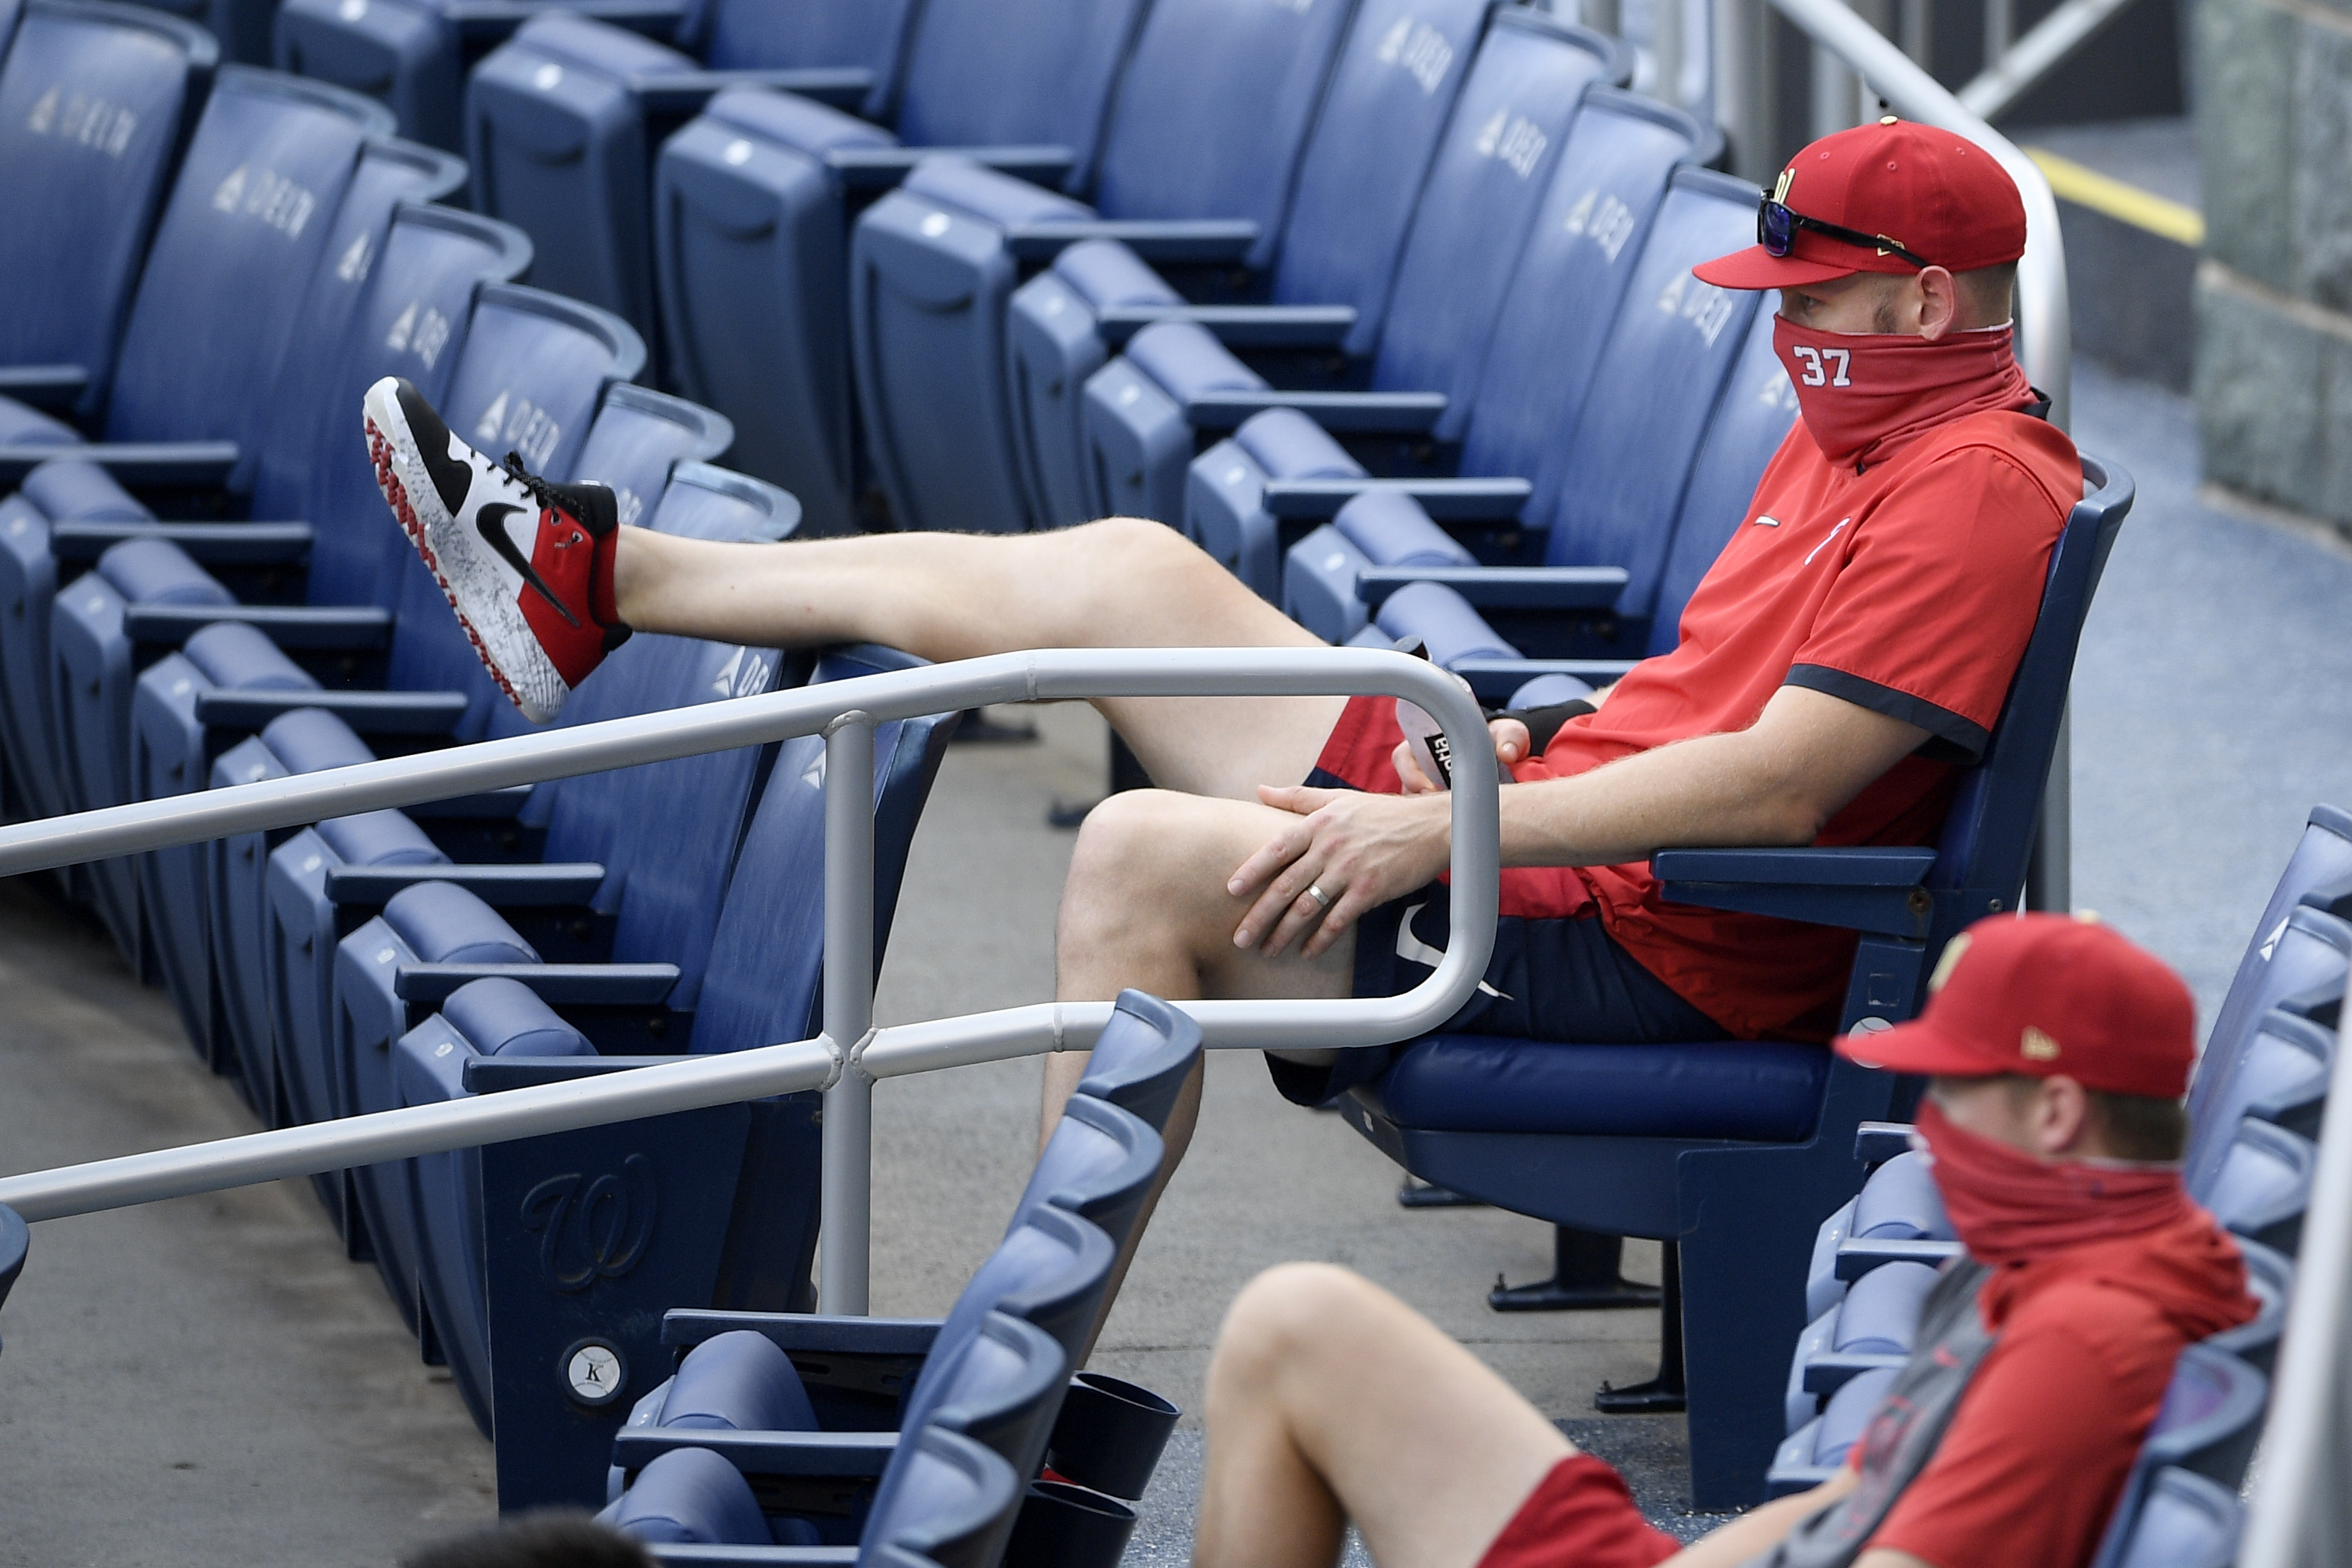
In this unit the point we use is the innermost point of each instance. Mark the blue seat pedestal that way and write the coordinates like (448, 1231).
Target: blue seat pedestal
(1740, 1214)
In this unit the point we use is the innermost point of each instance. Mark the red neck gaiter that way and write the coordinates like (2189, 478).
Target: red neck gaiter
(2007, 1206)
(1863, 394)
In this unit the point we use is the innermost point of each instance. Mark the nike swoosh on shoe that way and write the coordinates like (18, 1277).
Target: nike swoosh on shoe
(452, 476)
(488, 523)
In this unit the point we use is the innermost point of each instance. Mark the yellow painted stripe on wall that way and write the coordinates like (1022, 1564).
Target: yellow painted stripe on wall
(2126, 203)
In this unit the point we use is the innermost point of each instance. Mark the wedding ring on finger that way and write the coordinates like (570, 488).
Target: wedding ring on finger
(1322, 899)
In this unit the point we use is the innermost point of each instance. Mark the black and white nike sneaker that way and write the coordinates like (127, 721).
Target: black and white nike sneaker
(527, 564)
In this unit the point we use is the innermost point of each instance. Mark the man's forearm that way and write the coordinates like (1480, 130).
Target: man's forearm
(1709, 791)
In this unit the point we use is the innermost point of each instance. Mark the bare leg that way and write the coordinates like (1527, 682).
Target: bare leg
(1329, 1400)
(1121, 583)
(1146, 906)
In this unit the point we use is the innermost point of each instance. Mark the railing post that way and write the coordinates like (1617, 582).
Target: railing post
(845, 1233)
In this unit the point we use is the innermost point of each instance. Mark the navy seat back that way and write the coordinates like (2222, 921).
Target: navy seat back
(2281, 1076)
(1212, 109)
(1758, 408)
(2211, 1415)
(1616, 486)
(410, 323)
(95, 104)
(306, 424)
(234, 253)
(1515, 124)
(529, 379)
(1400, 78)
(1568, 281)
(953, 1500)
(1006, 72)
(1142, 1058)
(736, 34)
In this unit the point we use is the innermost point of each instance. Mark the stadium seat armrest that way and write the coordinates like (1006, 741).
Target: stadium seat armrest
(44, 385)
(1445, 500)
(665, 1552)
(806, 1333)
(1829, 1373)
(1371, 413)
(481, 22)
(1174, 240)
(487, 1075)
(1238, 326)
(331, 627)
(369, 713)
(485, 805)
(684, 92)
(881, 168)
(559, 885)
(843, 1455)
(1868, 887)
(209, 543)
(1857, 1255)
(1875, 1142)
(594, 984)
(1503, 587)
(135, 463)
(1493, 679)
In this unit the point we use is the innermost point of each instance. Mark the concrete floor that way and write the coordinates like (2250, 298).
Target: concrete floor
(209, 1382)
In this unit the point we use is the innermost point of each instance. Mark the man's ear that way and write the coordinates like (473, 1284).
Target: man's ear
(1940, 302)
(2058, 1119)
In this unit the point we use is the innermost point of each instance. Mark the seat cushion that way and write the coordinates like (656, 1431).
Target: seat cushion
(1187, 360)
(985, 193)
(505, 1017)
(1548, 690)
(1288, 445)
(795, 122)
(70, 489)
(1900, 1202)
(237, 657)
(741, 1382)
(443, 924)
(1879, 1315)
(1106, 273)
(1484, 1083)
(24, 426)
(380, 839)
(1392, 530)
(691, 1496)
(309, 739)
(152, 571)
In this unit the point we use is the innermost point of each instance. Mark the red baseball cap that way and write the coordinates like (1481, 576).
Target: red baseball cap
(1937, 194)
(2038, 996)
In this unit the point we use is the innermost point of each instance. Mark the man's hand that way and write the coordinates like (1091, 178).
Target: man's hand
(1510, 746)
(1358, 850)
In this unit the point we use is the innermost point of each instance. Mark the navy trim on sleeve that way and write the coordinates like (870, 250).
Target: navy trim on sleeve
(1950, 738)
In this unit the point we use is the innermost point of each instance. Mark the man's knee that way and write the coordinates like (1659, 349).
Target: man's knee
(1145, 554)
(1282, 1316)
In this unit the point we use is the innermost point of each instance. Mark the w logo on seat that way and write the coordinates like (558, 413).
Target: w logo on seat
(597, 1234)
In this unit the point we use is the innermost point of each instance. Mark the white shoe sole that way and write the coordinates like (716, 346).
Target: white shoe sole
(481, 589)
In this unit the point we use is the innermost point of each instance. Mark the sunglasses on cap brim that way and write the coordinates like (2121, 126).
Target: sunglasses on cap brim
(1777, 226)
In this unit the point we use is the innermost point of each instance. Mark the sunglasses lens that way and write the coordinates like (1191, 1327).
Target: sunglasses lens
(1775, 228)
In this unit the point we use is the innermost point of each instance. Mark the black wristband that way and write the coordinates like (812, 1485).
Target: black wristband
(1544, 722)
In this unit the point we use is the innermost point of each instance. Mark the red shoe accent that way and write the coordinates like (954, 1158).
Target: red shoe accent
(601, 604)
(565, 556)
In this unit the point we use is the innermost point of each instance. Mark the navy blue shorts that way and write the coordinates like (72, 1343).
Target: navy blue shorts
(1558, 979)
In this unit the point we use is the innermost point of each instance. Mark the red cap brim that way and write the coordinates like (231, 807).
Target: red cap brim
(1920, 1047)
(1756, 268)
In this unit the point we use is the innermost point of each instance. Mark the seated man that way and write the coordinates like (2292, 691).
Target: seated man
(1852, 645)
(2059, 1053)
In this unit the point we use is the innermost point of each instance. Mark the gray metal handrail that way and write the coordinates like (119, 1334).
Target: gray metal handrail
(2045, 333)
(850, 1055)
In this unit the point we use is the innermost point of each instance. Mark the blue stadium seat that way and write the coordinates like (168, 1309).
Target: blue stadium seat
(1735, 1149)
(2322, 859)
(1376, 164)
(2294, 964)
(562, 121)
(753, 199)
(1601, 539)
(96, 105)
(1815, 1451)
(566, 861)
(1897, 1209)
(2205, 1430)
(2281, 1076)
(759, 984)
(1196, 166)
(2180, 1520)
(1514, 381)
(2263, 1185)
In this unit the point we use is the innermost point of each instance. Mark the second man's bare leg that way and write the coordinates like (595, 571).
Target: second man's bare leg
(1121, 583)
